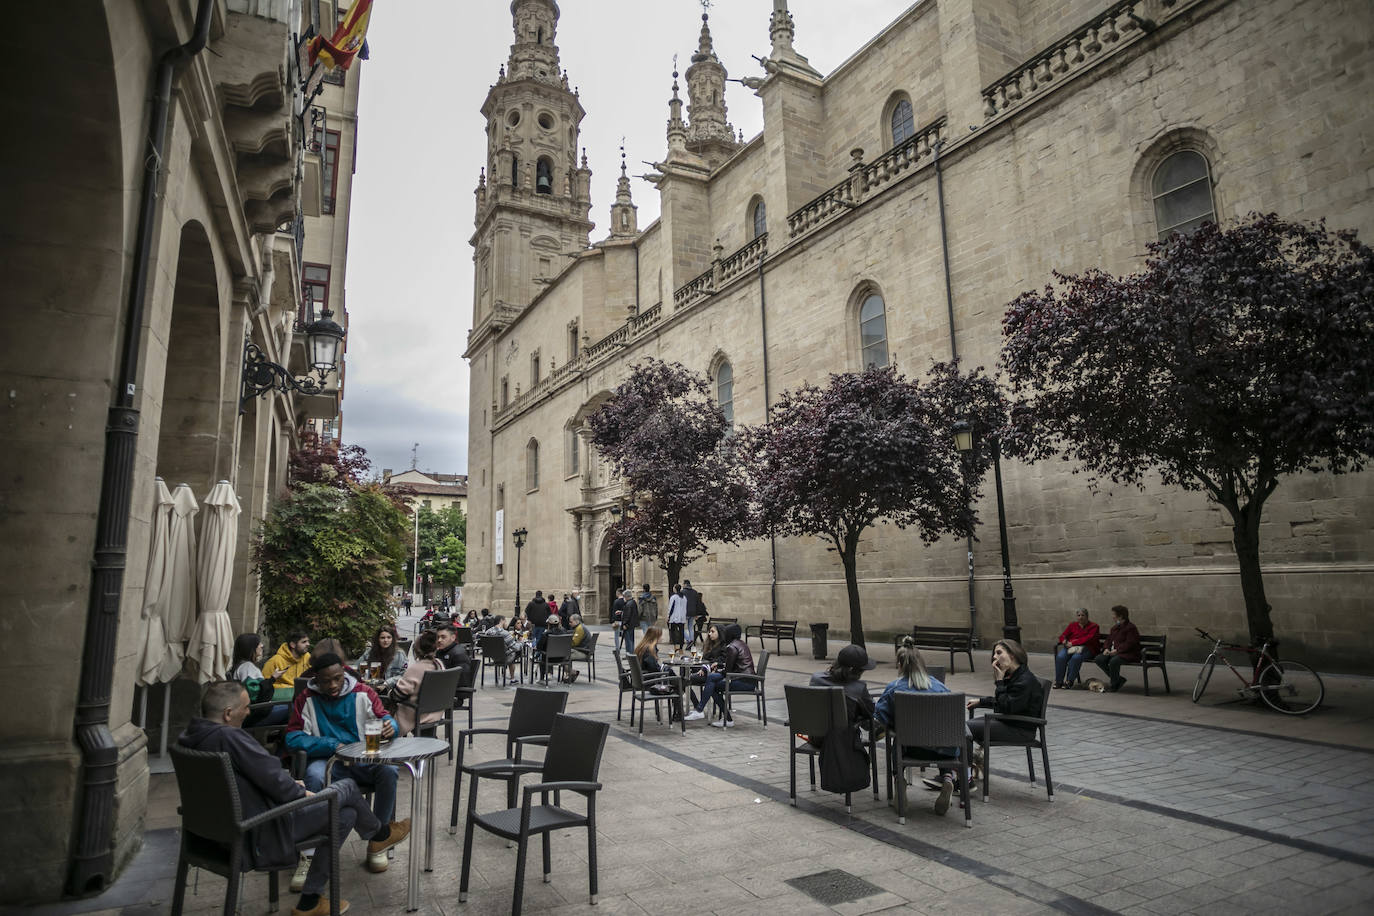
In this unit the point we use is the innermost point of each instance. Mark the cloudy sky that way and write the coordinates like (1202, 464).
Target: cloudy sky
(421, 142)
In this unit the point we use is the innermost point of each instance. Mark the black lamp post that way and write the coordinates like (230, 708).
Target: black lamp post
(261, 375)
(963, 440)
(518, 536)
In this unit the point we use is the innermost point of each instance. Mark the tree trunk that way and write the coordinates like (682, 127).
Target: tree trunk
(1245, 535)
(849, 550)
(674, 569)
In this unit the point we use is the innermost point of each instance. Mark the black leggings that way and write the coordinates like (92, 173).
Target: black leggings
(1001, 731)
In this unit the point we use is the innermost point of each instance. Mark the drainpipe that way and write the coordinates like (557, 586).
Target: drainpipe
(772, 536)
(953, 347)
(92, 858)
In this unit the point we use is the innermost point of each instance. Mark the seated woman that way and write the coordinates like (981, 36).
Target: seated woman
(733, 658)
(1077, 644)
(847, 673)
(470, 618)
(244, 669)
(1018, 694)
(408, 685)
(913, 678)
(385, 652)
(647, 651)
(499, 628)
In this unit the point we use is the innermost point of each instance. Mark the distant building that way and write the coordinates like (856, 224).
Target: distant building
(432, 491)
(887, 213)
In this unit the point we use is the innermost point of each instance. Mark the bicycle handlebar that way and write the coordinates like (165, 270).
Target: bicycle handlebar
(1204, 634)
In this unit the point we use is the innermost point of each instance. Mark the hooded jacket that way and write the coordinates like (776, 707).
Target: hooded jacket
(286, 667)
(737, 659)
(321, 723)
(262, 785)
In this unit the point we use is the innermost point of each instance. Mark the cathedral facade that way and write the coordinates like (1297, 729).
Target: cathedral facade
(887, 213)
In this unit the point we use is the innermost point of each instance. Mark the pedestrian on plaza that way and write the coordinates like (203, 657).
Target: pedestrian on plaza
(1123, 645)
(1018, 694)
(408, 603)
(618, 617)
(571, 606)
(537, 613)
(696, 610)
(1077, 644)
(553, 604)
(847, 673)
(408, 685)
(262, 785)
(648, 607)
(735, 658)
(630, 624)
(291, 660)
(677, 618)
(330, 712)
(912, 677)
(450, 651)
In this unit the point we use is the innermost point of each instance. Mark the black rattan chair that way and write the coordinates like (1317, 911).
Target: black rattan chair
(213, 828)
(571, 764)
(436, 694)
(650, 688)
(494, 656)
(557, 654)
(756, 682)
(623, 684)
(814, 712)
(1034, 738)
(531, 719)
(922, 721)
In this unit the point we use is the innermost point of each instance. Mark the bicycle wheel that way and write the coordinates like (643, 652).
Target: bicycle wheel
(1203, 676)
(1291, 688)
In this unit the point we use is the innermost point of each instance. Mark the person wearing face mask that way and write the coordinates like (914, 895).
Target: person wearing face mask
(1077, 644)
(1018, 693)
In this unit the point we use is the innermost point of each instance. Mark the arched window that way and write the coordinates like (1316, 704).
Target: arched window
(903, 127)
(543, 177)
(532, 465)
(1182, 192)
(515, 171)
(725, 391)
(759, 215)
(872, 331)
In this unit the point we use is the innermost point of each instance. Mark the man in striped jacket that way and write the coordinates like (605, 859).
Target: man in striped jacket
(331, 711)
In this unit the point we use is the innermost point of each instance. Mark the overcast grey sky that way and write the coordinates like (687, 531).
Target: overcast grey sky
(421, 142)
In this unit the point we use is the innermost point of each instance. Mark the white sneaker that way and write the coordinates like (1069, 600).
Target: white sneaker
(694, 715)
(298, 879)
(723, 723)
(377, 862)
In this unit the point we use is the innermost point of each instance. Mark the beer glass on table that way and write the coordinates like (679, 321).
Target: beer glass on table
(372, 736)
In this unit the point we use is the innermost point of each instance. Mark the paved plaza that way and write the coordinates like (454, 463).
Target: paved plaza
(1161, 806)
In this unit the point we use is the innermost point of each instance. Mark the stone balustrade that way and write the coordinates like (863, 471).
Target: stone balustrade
(744, 259)
(695, 289)
(1120, 24)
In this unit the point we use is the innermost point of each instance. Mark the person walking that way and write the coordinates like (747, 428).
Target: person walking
(677, 618)
(630, 623)
(696, 609)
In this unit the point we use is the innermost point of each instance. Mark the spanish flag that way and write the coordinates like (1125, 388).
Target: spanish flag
(340, 50)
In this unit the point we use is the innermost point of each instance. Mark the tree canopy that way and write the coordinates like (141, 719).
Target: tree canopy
(666, 437)
(1236, 356)
(873, 447)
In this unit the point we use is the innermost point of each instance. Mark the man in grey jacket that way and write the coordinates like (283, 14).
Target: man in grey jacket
(263, 784)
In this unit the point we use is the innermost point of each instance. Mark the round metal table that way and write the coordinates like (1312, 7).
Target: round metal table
(413, 754)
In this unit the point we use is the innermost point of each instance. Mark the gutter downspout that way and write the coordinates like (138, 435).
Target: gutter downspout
(767, 400)
(92, 858)
(953, 346)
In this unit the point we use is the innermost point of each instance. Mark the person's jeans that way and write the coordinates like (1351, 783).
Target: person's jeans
(261, 718)
(1111, 666)
(624, 639)
(711, 690)
(354, 814)
(675, 634)
(1066, 666)
(380, 778)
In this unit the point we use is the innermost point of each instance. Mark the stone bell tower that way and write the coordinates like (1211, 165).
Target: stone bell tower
(533, 196)
(709, 132)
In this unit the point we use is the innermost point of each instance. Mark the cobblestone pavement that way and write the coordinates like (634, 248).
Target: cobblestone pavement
(1230, 811)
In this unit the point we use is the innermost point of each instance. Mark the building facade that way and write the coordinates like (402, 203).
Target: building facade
(887, 213)
(158, 172)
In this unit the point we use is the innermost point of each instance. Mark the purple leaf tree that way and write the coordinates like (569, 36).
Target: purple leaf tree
(1234, 357)
(666, 437)
(873, 447)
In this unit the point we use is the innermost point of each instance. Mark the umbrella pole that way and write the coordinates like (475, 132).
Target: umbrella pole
(166, 715)
(143, 707)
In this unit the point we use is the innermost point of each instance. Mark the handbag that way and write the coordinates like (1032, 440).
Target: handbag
(1074, 650)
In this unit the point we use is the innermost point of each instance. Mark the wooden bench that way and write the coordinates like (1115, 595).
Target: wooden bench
(774, 629)
(945, 639)
(1152, 655)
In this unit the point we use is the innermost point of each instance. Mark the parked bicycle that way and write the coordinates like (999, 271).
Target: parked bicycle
(1288, 687)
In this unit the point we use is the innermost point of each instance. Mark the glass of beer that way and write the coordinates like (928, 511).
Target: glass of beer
(372, 735)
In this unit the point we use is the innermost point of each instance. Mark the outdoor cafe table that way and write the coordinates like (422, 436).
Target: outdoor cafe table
(412, 753)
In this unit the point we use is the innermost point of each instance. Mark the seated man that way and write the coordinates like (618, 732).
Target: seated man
(291, 660)
(330, 712)
(451, 652)
(263, 784)
(578, 630)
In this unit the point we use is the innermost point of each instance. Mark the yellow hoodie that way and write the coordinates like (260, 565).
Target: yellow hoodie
(285, 667)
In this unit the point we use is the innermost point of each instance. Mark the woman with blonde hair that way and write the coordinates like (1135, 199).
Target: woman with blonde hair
(913, 678)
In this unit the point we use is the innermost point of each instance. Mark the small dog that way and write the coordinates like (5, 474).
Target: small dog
(1095, 685)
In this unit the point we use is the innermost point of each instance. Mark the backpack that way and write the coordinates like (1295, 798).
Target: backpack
(648, 609)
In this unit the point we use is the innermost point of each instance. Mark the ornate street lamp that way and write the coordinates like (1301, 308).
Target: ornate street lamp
(963, 440)
(518, 536)
(261, 375)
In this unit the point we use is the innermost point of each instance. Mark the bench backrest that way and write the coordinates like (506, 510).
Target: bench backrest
(1152, 648)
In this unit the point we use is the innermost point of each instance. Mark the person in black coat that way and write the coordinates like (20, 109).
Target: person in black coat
(696, 608)
(263, 784)
(1018, 693)
(847, 673)
(451, 652)
(537, 613)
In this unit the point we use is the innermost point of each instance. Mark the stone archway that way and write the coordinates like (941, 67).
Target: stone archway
(188, 433)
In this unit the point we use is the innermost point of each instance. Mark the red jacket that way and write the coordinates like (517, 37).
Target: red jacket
(1075, 634)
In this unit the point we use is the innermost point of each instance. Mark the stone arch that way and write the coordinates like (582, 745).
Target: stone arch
(898, 110)
(755, 218)
(1149, 155)
(720, 361)
(188, 433)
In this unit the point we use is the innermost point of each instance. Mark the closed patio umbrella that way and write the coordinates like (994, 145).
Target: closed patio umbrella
(152, 635)
(179, 579)
(211, 647)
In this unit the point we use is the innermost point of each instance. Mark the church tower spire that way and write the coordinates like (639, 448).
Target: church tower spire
(709, 133)
(624, 213)
(534, 55)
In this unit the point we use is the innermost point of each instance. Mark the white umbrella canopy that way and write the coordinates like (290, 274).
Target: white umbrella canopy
(179, 579)
(212, 637)
(152, 635)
